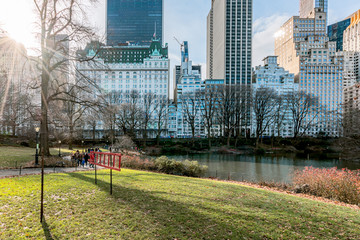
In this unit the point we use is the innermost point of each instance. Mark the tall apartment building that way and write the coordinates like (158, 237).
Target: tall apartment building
(304, 49)
(134, 21)
(189, 107)
(187, 98)
(351, 108)
(186, 65)
(351, 73)
(307, 7)
(16, 75)
(229, 41)
(272, 76)
(352, 34)
(336, 32)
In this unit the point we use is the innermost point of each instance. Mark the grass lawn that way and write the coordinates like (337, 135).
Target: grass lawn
(16, 156)
(147, 205)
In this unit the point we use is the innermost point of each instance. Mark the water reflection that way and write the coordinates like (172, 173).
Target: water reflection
(260, 168)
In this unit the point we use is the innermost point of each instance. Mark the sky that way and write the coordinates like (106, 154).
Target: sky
(186, 20)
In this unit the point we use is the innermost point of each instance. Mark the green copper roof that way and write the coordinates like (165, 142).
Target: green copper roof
(127, 54)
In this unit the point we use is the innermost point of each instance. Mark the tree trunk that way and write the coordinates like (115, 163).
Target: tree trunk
(71, 137)
(44, 129)
(13, 130)
(228, 138)
(158, 139)
(93, 133)
(209, 137)
(193, 136)
(145, 135)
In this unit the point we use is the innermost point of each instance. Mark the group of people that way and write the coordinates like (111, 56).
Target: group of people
(82, 159)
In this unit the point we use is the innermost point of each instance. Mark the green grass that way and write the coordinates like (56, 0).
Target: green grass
(17, 156)
(11, 157)
(147, 205)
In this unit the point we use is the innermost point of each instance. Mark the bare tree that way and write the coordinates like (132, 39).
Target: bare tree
(109, 112)
(61, 23)
(191, 110)
(128, 116)
(161, 115)
(72, 116)
(227, 109)
(14, 111)
(281, 110)
(243, 101)
(264, 105)
(303, 109)
(148, 108)
(92, 117)
(209, 108)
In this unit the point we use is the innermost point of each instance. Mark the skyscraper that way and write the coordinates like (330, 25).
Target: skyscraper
(134, 21)
(229, 32)
(336, 32)
(186, 66)
(308, 6)
(304, 49)
(352, 34)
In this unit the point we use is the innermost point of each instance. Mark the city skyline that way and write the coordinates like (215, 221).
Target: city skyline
(267, 19)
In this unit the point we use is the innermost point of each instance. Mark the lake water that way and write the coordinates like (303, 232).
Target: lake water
(260, 168)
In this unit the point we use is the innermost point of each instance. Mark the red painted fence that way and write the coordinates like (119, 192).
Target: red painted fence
(106, 160)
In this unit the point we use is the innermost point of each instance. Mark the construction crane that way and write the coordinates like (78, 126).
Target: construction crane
(181, 44)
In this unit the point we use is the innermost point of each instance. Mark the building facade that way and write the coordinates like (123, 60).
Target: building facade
(17, 78)
(304, 49)
(273, 77)
(149, 75)
(336, 33)
(351, 73)
(189, 106)
(352, 34)
(307, 7)
(134, 21)
(229, 41)
(351, 106)
(188, 98)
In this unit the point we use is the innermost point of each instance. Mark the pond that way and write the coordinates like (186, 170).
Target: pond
(260, 168)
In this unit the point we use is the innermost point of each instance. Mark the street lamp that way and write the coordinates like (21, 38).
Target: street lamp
(59, 148)
(82, 145)
(37, 129)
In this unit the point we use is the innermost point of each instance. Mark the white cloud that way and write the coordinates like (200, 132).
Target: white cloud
(263, 40)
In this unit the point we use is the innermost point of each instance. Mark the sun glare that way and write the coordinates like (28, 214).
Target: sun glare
(16, 19)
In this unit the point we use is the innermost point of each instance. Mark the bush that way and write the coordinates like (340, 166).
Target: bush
(186, 168)
(193, 169)
(24, 144)
(260, 151)
(164, 165)
(174, 150)
(342, 185)
(136, 162)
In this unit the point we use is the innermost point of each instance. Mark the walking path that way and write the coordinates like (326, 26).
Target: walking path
(32, 171)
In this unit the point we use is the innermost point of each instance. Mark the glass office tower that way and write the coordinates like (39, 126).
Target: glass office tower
(336, 33)
(134, 21)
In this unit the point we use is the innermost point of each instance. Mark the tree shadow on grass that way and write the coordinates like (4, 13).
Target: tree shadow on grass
(172, 219)
(201, 218)
(46, 229)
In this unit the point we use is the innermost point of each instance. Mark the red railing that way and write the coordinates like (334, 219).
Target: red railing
(106, 160)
